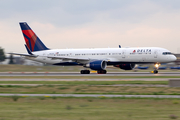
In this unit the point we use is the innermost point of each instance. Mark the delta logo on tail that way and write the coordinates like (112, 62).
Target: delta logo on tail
(31, 39)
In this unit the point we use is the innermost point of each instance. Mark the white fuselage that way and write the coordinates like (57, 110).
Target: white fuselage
(111, 55)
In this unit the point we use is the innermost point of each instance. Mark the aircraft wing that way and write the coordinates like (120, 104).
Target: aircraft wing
(74, 58)
(26, 55)
(69, 58)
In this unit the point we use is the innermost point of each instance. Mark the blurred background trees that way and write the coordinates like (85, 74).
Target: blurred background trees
(11, 59)
(2, 55)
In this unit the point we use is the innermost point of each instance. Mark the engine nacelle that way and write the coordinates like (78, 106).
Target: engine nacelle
(97, 65)
(126, 66)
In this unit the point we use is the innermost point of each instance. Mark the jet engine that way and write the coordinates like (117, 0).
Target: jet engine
(126, 66)
(97, 65)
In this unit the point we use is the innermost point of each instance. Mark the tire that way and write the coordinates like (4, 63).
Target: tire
(85, 72)
(82, 71)
(101, 72)
(155, 71)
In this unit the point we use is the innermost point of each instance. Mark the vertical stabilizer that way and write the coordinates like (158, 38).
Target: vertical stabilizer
(28, 50)
(33, 43)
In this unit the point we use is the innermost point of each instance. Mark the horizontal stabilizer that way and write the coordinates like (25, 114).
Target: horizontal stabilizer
(26, 55)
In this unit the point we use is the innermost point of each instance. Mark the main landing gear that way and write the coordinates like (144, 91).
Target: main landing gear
(98, 72)
(85, 71)
(101, 72)
(156, 68)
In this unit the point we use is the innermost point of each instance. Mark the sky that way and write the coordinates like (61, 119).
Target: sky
(62, 24)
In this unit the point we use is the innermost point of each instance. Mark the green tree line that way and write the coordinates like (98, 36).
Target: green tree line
(2, 55)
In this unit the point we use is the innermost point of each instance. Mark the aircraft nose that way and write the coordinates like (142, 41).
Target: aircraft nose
(173, 58)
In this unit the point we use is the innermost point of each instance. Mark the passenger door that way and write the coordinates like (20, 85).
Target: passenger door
(123, 54)
(155, 54)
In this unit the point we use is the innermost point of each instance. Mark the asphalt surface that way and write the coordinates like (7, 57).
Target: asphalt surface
(92, 74)
(93, 79)
(92, 95)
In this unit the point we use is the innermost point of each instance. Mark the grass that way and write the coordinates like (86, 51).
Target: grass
(90, 89)
(28, 68)
(88, 109)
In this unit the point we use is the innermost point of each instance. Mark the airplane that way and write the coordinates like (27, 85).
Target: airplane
(95, 59)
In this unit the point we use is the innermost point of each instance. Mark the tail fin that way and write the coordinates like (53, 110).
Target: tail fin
(28, 50)
(33, 43)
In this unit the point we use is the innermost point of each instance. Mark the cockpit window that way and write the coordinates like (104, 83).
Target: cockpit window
(167, 53)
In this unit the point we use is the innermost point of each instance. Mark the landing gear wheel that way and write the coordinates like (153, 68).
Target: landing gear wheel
(85, 72)
(155, 71)
(101, 72)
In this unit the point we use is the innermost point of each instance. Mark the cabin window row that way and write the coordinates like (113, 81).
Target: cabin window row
(98, 54)
(91, 54)
(57, 54)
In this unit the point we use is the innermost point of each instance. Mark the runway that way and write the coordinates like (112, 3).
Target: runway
(93, 79)
(92, 74)
(93, 95)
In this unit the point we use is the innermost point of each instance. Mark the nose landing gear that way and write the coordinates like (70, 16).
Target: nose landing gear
(156, 68)
(155, 71)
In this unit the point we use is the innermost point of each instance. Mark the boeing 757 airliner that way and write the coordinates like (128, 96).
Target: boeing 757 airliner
(94, 59)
